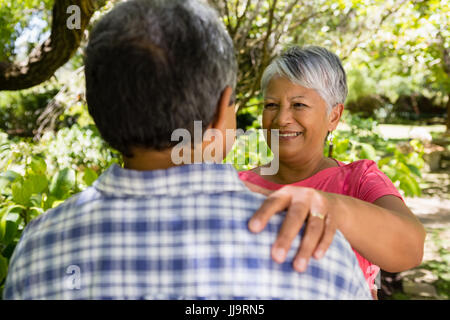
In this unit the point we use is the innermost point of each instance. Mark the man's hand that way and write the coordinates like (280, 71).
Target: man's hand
(302, 205)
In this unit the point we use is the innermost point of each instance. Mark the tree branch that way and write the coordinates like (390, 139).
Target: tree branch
(239, 18)
(264, 59)
(286, 12)
(227, 13)
(54, 52)
(239, 43)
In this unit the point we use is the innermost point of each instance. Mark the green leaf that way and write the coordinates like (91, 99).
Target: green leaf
(400, 157)
(384, 161)
(389, 171)
(409, 186)
(21, 194)
(89, 176)
(403, 168)
(414, 170)
(4, 183)
(367, 152)
(341, 146)
(8, 177)
(9, 224)
(3, 268)
(62, 183)
(57, 203)
(2, 228)
(38, 165)
(417, 145)
(36, 183)
(416, 160)
(35, 211)
(48, 204)
(36, 200)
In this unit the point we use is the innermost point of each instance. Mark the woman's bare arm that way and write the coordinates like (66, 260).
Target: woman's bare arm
(386, 233)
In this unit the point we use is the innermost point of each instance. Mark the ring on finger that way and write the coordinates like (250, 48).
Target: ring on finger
(317, 215)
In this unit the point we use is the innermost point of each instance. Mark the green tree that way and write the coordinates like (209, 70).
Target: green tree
(408, 56)
(44, 59)
(395, 43)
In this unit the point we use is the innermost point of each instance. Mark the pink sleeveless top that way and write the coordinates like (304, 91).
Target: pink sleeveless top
(360, 179)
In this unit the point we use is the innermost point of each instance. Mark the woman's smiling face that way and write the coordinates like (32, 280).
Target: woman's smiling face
(301, 116)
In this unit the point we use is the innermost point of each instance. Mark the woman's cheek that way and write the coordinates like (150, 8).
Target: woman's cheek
(266, 120)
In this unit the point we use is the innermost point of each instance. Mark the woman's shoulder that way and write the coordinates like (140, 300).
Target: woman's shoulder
(352, 167)
(359, 165)
(372, 182)
(253, 176)
(247, 174)
(253, 171)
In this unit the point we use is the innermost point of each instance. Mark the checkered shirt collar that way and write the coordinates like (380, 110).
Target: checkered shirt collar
(178, 180)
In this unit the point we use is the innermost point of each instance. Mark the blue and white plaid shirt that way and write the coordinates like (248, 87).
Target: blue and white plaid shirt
(179, 233)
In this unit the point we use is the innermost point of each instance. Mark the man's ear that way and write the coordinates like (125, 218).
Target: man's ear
(225, 111)
(335, 116)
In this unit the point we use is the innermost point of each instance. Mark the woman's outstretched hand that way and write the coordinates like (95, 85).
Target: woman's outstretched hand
(303, 205)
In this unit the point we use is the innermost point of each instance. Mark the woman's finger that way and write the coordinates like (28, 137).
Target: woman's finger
(276, 202)
(327, 238)
(290, 228)
(311, 237)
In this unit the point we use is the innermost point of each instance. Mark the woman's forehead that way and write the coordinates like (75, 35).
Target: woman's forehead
(281, 86)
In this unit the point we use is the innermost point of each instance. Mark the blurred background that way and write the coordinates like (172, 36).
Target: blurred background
(396, 55)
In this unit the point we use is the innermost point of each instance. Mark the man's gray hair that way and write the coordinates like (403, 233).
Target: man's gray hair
(153, 66)
(312, 67)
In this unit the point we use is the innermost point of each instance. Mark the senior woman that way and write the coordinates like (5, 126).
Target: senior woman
(304, 92)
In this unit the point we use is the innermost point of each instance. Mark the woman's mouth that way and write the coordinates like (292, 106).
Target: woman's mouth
(288, 135)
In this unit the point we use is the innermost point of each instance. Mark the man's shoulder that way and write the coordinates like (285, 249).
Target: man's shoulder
(91, 200)
(252, 199)
(56, 215)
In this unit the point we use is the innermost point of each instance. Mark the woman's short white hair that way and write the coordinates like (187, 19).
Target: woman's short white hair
(312, 67)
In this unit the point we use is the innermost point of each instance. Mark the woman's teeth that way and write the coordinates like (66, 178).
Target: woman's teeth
(289, 134)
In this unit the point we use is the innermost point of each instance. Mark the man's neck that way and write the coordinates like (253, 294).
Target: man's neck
(144, 160)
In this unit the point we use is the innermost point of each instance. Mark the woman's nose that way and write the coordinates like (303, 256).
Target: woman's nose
(284, 117)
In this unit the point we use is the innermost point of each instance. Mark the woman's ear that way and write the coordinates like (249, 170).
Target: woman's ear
(335, 116)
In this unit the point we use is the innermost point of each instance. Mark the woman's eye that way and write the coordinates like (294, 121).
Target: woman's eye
(299, 105)
(270, 105)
